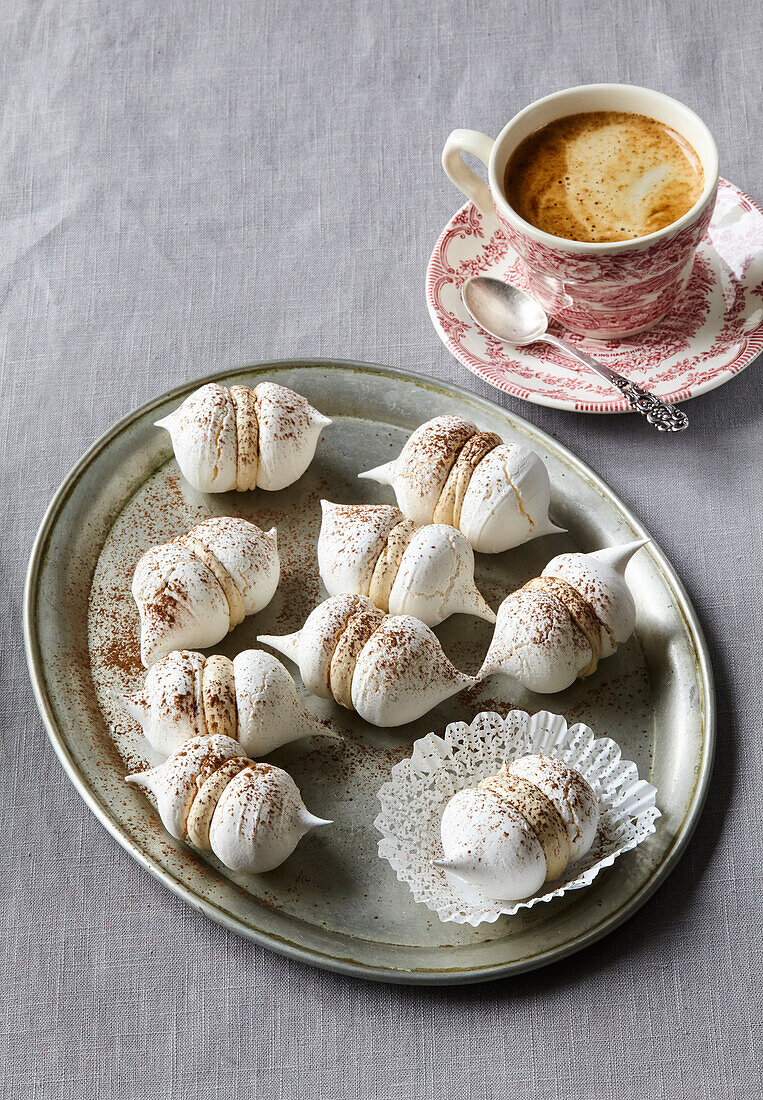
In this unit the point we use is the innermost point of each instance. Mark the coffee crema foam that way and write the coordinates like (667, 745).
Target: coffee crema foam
(603, 176)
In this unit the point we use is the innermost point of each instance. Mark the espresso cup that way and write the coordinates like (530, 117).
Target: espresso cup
(605, 291)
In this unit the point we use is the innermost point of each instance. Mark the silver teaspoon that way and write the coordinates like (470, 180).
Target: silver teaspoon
(515, 318)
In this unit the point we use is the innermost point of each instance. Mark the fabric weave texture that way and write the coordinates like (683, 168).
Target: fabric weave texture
(198, 183)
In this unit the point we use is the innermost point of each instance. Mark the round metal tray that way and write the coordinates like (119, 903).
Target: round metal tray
(334, 903)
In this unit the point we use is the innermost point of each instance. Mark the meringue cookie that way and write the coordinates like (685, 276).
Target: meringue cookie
(372, 550)
(250, 815)
(520, 828)
(557, 626)
(391, 669)
(251, 699)
(193, 590)
(240, 438)
(497, 494)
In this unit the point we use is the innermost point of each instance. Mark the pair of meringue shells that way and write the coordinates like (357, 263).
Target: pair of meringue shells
(251, 699)
(520, 828)
(242, 438)
(373, 550)
(390, 669)
(556, 627)
(208, 793)
(191, 591)
(496, 494)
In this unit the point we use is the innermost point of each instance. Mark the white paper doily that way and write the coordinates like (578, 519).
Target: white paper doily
(414, 798)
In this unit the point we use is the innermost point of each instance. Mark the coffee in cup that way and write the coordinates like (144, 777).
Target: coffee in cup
(602, 176)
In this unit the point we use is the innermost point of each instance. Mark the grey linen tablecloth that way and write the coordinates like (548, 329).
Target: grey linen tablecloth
(188, 185)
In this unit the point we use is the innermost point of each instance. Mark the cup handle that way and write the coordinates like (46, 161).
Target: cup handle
(469, 141)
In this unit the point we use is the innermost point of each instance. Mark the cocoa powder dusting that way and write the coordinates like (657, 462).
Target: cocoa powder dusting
(333, 873)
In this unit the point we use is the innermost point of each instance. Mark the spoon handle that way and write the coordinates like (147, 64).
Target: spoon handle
(665, 418)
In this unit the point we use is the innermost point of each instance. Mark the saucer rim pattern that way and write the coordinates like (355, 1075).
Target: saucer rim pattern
(451, 329)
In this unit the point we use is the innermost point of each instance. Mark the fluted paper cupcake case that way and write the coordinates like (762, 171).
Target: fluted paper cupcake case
(414, 798)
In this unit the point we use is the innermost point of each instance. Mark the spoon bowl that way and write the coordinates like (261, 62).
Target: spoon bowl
(504, 310)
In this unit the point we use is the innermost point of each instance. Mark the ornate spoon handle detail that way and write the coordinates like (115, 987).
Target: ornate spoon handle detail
(663, 417)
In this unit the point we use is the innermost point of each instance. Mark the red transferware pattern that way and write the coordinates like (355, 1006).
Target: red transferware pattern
(713, 333)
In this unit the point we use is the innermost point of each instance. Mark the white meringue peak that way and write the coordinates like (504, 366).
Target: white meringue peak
(391, 669)
(497, 494)
(242, 438)
(371, 550)
(209, 794)
(556, 628)
(191, 591)
(252, 698)
(520, 828)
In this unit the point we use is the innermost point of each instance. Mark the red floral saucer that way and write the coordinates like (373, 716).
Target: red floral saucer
(713, 334)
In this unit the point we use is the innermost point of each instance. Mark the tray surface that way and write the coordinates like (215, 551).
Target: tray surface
(334, 903)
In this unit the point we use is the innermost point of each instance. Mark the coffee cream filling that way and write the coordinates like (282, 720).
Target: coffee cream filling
(467, 458)
(580, 610)
(247, 437)
(222, 576)
(388, 563)
(436, 459)
(353, 638)
(223, 398)
(539, 812)
(208, 795)
(197, 715)
(218, 694)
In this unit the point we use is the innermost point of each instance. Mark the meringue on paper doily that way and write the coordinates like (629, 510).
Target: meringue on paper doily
(414, 797)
